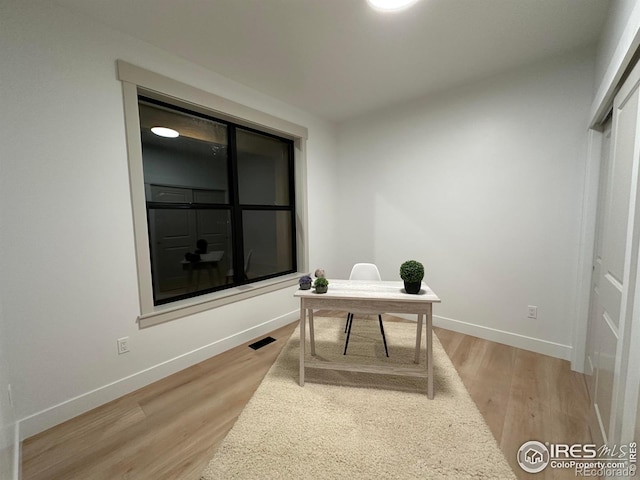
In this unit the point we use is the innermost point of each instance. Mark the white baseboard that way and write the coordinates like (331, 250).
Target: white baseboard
(73, 407)
(537, 345)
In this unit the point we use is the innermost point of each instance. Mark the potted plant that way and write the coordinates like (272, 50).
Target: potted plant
(305, 282)
(412, 272)
(321, 285)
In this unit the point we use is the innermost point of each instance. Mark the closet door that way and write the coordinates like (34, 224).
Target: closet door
(595, 308)
(613, 293)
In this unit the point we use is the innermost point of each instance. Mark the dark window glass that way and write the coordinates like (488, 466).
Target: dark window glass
(267, 242)
(263, 169)
(219, 203)
(190, 251)
(197, 159)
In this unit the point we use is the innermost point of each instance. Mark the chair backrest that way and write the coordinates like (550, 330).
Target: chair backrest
(365, 271)
(247, 261)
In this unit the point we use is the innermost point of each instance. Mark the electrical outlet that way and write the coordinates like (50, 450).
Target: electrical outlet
(123, 345)
(533, 311)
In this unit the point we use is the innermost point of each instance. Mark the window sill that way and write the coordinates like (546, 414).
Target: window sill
(183, 308)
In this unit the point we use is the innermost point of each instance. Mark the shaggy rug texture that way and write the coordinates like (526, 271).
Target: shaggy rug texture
(345, 425)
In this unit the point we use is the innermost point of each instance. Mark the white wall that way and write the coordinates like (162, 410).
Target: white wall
(483, 184)
(619, 41)
(68, 282)
(617, 19)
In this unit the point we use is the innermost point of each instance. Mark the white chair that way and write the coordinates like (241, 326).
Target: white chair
(247, 266)
(364, 271)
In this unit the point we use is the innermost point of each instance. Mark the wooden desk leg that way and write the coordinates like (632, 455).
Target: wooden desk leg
(311, 333)
(430, 351)
(418, 338)
(303, 321)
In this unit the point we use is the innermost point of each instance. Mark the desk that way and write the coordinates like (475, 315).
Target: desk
(358, 296)
(207, 261)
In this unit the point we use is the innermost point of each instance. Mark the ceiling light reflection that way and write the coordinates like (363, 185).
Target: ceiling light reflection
(165, 132)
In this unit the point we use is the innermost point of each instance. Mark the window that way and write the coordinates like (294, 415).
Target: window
(219, 200)
(219, 210)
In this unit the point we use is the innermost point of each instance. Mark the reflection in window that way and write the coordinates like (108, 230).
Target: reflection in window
(267, 237)
(189, 251)
(197, 159)
(197, 187)
(263, 166)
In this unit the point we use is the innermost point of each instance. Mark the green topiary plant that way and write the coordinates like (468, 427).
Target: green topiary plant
(412, 271)
(321, 285)
(320, 282)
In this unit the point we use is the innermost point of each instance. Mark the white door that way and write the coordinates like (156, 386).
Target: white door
(616, 266)
(595, 309)
(172, 234)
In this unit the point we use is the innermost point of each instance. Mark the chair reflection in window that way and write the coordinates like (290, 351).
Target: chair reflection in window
(201, 260)
(247, 266)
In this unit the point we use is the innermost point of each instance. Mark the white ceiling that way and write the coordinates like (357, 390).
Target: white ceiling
(340, 59)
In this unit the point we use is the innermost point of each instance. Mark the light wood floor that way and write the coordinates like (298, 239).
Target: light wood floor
(170, 429)
(521, 395)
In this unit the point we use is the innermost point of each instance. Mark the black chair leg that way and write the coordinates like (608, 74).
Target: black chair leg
(349, 322)
(384, 339)
(346, 325)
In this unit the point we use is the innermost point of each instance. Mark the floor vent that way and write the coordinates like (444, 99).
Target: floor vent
(262, 343)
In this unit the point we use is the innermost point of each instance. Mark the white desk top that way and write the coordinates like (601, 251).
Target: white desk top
(364, 289)
(211, 257)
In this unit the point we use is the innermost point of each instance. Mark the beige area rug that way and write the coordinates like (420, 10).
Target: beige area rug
(344, 425)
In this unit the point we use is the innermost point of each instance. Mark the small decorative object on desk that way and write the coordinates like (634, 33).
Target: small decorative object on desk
(305, 282)
(412, 272)
(321, 285)
(319, 272)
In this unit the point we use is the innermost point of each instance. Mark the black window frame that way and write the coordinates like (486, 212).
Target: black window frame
(234, 206)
